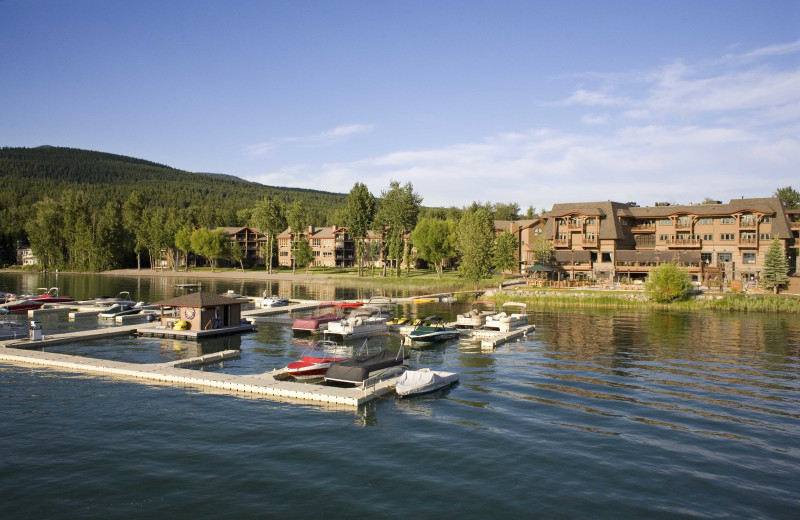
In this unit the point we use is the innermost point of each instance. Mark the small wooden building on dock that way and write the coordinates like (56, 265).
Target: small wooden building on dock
(203, 311)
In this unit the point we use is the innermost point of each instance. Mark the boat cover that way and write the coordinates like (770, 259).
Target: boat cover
(423, 380)
(359, 368)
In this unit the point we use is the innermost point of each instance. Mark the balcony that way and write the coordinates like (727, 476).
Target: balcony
(676, 243)
(589, 242)
(644, 228)
(795, 224)
(683, 226)
(747, 224)
(561, 242)
(748, 242)
(575, 225)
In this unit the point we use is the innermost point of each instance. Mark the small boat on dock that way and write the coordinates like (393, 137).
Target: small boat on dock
(121, 309)
(424, 381)
(430, 329)
(316, 360)
(511, 316)
(318, 321)
(123, 297)
(362, 370)
(363, 321)
(51, 296)
(22, 305)
(274, 301)
(476, 317)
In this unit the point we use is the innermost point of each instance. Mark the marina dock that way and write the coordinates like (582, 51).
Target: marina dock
(493, 338)
(177, 373)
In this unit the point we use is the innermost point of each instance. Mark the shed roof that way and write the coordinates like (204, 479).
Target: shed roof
(200, 299)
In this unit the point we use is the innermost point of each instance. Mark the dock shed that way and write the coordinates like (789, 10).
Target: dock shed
(203, 311)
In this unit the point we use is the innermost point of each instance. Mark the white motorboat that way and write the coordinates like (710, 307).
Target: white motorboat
(274, 301)
(430, 329)
(121, 309)
(511, 316)
(424, 381)
(122, 298)
(363, 321)
(476, 317)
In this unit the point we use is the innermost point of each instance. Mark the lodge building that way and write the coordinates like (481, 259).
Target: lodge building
(608, 240)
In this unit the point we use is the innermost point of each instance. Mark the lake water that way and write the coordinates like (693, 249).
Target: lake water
(599, 414)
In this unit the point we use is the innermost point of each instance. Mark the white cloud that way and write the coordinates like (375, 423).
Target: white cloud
(333, 135)
(681, 133)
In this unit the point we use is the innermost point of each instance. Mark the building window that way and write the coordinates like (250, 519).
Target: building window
(705, 258)
(766, 219)
(724, 257)
(726, 236)
(685, 221)
(606, 257)
(764, 236)
(590, 221)
(316, 242)
(727, 220)
(705, 221)
(284, 253)
(748, 258)
(708, 236)
(663, 238)
(665, 222)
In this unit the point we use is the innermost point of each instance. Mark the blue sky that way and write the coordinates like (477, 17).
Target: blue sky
(529, 102)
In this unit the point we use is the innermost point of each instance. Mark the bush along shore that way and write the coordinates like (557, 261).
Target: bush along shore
(631, 300)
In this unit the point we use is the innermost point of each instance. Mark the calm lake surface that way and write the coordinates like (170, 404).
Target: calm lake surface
(598, 414)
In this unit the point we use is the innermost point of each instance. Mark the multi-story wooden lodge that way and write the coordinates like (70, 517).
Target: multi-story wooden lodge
(611, 240)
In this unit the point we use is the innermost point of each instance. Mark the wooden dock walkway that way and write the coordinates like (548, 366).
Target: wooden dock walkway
(71, 337)
(493, 338)
(173, 372)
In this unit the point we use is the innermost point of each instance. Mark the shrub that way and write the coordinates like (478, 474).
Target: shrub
(667, 283)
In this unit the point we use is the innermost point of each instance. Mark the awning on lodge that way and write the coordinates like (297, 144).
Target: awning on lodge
(644, 257)
(572, 257)
(539, 267)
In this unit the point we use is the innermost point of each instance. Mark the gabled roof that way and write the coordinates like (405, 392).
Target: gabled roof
(200, 299)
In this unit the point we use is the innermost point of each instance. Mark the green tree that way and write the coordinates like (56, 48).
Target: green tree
(505, 252)
(789, 195)
(297, 216)
(542, 251)
(183, 241)
(667, 283)
(44, 233)
(132, 212)
(435, 241)
(474, 240)
(235, 253)
(506, 211)
(776, 267)
(269, 218)
(397, 215)
(359, 212)
(303, 254)
(210, 244)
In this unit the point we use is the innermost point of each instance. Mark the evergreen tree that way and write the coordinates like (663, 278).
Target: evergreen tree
(789, 195)
(297, 216)
(542, 251)
(776, 267)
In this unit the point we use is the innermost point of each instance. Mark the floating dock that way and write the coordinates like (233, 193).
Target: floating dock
(176, 372)
(493, 338)
(196, 335)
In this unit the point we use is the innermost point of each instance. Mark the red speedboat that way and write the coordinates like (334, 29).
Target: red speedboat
(21, 306)
(318, 320)
(315, 361)
(51, 296)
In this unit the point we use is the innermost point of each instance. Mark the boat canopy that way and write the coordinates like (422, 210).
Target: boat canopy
(358, 368)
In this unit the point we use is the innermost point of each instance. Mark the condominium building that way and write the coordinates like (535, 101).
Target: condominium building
(610, 240)
(331, 246)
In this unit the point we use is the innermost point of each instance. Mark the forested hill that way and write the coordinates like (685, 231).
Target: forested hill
(31, 174)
